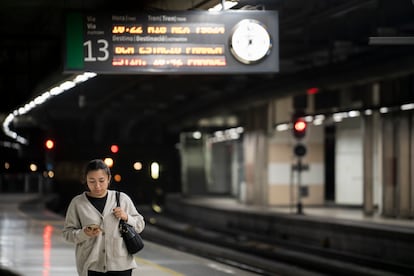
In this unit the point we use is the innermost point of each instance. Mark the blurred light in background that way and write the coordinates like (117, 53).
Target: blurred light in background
(114, 148)
(368, 112)
(39, 100)
(109, 162)
(49, 174)
(155, 170)
(227, 5)
(282, 127)
(156, 207)
(49, 144)
(384, 110)
(407, 106)
(226, 135)
(312, 90)
(117, 178)
(354, 113)
(137, 166)
(33, 167)
(197, 135)
(318, 120)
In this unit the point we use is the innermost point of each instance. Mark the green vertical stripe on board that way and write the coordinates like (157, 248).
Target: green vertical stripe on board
(74, 41)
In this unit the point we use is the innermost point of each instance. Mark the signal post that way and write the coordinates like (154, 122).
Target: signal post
(299, 132)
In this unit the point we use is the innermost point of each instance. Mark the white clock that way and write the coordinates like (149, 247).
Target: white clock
(250, 42)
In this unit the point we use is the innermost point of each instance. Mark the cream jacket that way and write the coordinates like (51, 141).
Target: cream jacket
(106, 252)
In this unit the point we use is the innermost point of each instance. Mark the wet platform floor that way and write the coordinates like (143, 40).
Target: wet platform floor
(31, 245)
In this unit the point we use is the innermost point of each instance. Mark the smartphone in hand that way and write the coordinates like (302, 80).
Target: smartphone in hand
(93, 227)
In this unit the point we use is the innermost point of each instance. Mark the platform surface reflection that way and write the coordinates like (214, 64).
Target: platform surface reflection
(31, 245)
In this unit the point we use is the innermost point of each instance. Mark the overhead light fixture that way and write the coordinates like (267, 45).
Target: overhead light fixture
(338, 117)
(282, 127)
(39, 100)
(354, 113)
(319, 119)
(409, 106)
(384, 110)
(227, 5)
(368, 112)
(309, 118)
(226, 135)
(391, 40)
(197, 135)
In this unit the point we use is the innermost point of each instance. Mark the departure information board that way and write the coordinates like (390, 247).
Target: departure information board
(173, 42)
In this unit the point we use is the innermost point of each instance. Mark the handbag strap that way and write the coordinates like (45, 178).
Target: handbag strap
(117, 199)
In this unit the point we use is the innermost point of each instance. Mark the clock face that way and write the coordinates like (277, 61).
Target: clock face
(250, 41)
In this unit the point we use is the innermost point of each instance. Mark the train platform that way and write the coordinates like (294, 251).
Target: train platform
(31, 245)
(219, 236)
(335, 212)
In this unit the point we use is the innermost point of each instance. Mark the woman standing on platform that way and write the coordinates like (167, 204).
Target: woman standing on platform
(92, 222)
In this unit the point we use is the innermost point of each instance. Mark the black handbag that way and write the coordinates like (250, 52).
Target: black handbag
(132, 239)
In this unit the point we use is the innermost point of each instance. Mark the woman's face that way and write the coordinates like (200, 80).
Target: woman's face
(98, 183)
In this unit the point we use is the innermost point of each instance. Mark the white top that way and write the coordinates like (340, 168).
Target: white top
(106, 252)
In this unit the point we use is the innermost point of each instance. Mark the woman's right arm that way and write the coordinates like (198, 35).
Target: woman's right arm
(72, 229)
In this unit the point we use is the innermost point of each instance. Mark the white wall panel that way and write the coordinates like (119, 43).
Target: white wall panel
(348, 177)
(279, 173)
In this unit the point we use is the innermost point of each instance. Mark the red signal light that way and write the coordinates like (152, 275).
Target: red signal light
(49, 144)
(300, 125)
(114, 148)
(299, 128)
(312, 91)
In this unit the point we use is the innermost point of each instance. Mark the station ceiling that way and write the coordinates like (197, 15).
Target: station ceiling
(323, 43)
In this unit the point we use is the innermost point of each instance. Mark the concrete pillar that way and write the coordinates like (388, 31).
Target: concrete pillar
(193, 172)
(372, 137)
(403, 166)
(368, 161)
(397, 164)
(388, 167)
(255, 153)
(412, 166)
(255, 144)
(378, 159)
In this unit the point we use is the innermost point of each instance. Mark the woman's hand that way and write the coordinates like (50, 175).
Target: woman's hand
(92, 231)
(120, 214)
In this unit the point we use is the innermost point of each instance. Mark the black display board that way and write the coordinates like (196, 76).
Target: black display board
(173, 42)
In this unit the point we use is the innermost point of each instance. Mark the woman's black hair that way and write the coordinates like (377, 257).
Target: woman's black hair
(96, 164)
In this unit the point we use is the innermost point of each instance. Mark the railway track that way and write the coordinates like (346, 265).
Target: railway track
(263, 255)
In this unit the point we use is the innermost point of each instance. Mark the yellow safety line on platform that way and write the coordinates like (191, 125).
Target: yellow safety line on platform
(162, 268)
